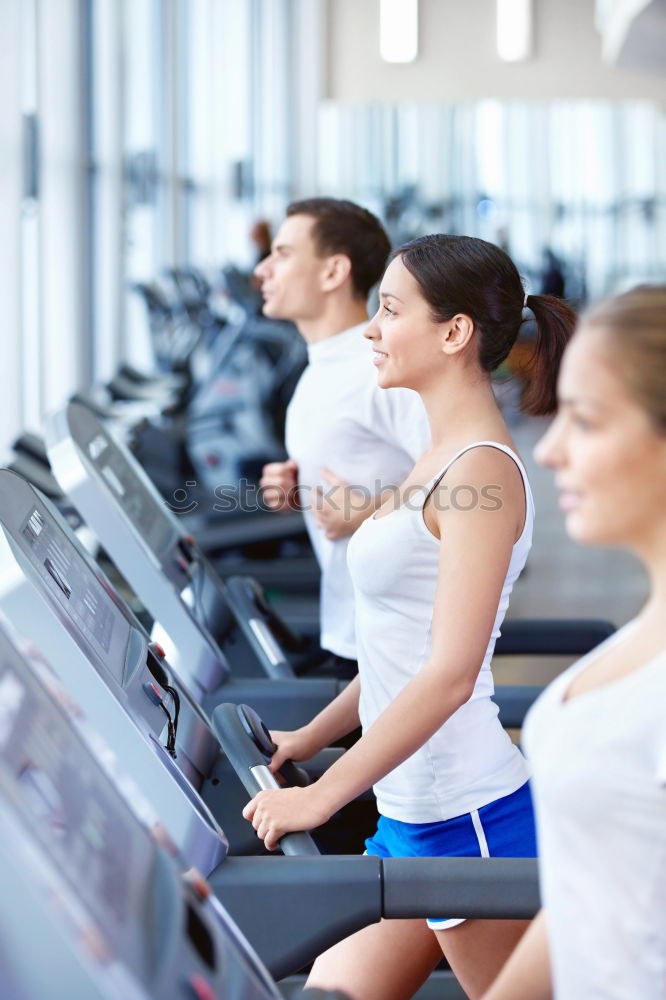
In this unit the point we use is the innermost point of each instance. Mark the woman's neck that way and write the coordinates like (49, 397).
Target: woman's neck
(651, 550)
(459, 407)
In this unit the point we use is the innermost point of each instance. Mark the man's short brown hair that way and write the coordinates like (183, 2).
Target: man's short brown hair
(343, 227)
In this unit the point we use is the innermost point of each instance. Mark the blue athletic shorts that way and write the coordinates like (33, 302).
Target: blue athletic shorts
(502, 829)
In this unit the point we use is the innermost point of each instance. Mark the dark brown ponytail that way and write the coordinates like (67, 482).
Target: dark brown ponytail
(555, 322)
(462, 274)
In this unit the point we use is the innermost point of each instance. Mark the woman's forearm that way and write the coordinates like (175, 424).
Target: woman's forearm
(420, 709)
(526, 974)
(338, 719)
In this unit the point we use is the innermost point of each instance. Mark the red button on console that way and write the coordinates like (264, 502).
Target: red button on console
(152, 693)
(202, 988)
(196, 880)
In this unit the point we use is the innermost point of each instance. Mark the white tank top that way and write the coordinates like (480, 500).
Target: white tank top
(470, 761)
(599, 763)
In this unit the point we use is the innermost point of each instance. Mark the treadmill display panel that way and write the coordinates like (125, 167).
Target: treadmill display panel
(139, 504)
(92, 611)
(51, 779)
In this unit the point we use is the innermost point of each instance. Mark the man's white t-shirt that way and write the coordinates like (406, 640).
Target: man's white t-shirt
(340, 419)
(599, 786)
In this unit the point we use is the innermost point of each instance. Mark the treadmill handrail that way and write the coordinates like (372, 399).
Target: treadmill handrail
(251, 766)
(514, 701)
(247, 529)
(551, 636)
(309, 904)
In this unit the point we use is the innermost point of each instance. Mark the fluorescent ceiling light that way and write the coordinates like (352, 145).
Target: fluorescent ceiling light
(514, 29)
(398, 30)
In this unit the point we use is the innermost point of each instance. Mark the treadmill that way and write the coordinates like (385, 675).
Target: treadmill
(290, 908)
(49, 583)
(97, 903)
(194, 610)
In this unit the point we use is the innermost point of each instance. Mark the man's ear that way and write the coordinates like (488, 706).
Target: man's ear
(457, 333)
(337, 268)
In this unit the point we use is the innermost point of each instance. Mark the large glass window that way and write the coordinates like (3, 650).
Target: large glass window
(585, 179)
(11, 193)
(135, 136)
(41, 198)
(29, 243)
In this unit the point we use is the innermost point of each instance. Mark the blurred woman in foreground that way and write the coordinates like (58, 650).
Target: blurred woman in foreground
(597, 736)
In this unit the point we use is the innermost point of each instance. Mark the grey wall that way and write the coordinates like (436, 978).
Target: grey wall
(458, 58)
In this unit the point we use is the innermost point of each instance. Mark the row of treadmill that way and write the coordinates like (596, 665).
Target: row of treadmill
(129, 746)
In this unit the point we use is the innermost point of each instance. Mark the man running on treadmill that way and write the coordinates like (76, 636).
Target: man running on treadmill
(348, 441)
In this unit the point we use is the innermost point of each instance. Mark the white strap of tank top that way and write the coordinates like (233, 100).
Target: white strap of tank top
(468, 447)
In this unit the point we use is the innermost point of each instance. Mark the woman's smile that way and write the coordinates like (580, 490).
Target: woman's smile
(568, 500)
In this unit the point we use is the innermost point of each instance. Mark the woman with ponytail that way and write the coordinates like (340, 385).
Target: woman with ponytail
(433, 570)
(596, 738)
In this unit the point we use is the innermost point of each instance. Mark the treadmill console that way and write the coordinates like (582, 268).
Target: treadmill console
(97, 618)
(136, 496)
(80, 595)
(144, 539)
(57, 788)
(109, 878)
(117, 471)
(50, 587)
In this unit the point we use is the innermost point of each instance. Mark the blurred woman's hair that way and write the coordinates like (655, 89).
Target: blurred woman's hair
(635, 328)
(462, 274)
